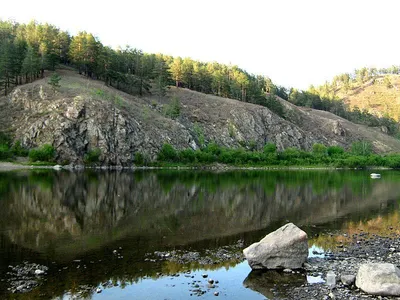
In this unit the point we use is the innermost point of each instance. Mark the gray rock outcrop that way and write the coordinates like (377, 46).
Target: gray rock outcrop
(379, 279)
(286, 247)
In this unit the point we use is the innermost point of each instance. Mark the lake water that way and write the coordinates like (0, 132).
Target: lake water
(106, 229)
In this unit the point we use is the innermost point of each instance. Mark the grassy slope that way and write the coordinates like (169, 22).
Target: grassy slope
(376, 97)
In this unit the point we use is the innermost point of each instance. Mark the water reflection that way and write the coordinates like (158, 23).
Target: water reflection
(67, 212)
(269, 282)
(62, 216)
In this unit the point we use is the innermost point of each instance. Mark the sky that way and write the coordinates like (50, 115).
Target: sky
(295, 43)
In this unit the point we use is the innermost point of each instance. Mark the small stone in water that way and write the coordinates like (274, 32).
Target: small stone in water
(98, 290)
(216, 293)
(211, 281)
(205, 275)
(39, 272)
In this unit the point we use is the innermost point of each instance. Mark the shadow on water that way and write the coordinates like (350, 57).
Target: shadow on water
(55, 218)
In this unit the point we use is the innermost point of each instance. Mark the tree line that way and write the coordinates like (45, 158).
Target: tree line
(29, 49)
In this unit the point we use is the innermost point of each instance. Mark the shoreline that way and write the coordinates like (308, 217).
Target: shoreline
(303, 284)
(345, 260)
(11, 166)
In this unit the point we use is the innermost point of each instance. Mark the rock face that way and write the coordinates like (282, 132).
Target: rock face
(379, 279)
(286, 247)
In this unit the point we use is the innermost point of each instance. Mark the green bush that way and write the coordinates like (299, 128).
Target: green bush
(93, 156)
(4, 152)
(392, 161)
(320, 155)
(187, 156)
(141, 159)
(290, 153)
(18, 150)
(335, 150)
(44, 153)
(167, 153)
(319, 149)
(227, 157)
(173, 110)
(361, 148)
(274, 105)
(270, 148)
(356, 162)
(213, 148)
(199, 134)
(205, 157)
(5, 139)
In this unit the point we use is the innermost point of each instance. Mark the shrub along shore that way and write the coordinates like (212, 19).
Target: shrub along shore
(360, 156)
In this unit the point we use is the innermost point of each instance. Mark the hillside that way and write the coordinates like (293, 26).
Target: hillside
(85, 114)
(379, 96)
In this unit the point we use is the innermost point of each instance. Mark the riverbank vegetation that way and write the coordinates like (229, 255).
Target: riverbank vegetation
(359, 156)
(10, 151)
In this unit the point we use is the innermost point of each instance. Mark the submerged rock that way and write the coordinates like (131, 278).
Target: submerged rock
(285, 248)
(379, 279)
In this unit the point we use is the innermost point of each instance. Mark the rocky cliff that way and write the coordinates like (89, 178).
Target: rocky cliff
(84, 114)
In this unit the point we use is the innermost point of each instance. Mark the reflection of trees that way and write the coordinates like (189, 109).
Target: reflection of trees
(71, 212)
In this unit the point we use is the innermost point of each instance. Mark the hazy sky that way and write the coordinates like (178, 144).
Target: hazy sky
(296, 43)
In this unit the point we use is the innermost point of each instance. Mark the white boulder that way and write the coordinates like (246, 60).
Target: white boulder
(285, 248)
(379, 279)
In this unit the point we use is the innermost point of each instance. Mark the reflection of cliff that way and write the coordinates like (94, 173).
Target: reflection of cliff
(82, 210)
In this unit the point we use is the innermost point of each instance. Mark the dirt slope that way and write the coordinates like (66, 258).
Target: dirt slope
(85, 114)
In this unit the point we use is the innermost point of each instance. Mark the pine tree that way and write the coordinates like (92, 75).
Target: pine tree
(55, 81)
(161, 78)
(30, 65)
(176, 70)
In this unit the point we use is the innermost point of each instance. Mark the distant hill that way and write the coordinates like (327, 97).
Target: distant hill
(379, 96)
(84, 114)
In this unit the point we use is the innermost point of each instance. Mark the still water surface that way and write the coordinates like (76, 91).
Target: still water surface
(73, 221)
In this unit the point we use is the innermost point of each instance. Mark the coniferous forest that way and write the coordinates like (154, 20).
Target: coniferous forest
(27, 50)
